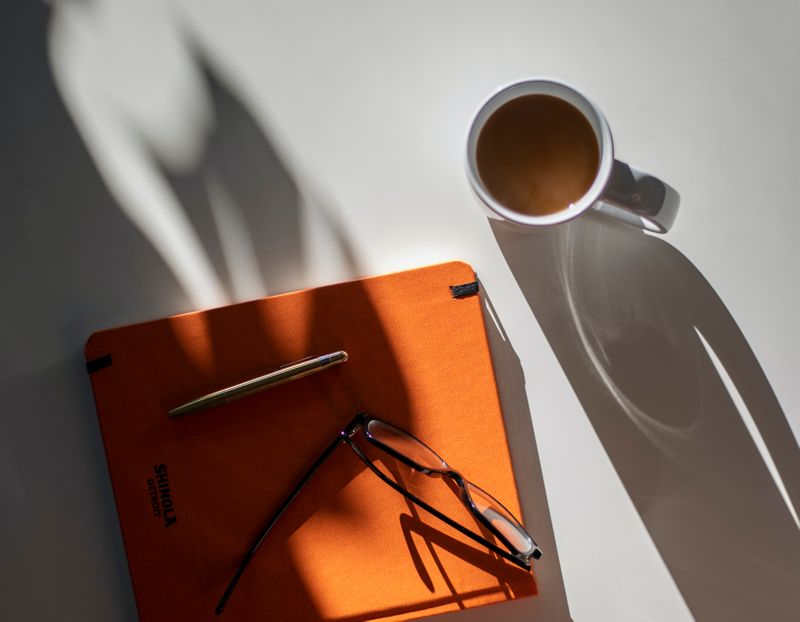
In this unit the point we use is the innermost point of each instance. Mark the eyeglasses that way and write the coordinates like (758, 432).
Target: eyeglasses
(520, 548)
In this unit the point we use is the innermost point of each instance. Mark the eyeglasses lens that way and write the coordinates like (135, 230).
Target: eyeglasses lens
(406, 445)
(500, 518)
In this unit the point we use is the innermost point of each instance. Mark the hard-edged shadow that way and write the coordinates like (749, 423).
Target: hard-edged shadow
(636, 329)
(434, 538)
(431, 566)
(551, 603)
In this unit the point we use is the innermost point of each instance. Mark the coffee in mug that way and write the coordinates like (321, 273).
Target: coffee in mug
(537, 154)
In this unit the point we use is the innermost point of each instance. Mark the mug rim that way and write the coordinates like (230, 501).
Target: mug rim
(556, 88)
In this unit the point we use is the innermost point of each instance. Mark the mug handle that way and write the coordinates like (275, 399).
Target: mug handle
(639, 199)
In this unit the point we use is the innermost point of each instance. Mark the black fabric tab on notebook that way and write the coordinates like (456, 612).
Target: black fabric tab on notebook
(99, 363)
(466, 289)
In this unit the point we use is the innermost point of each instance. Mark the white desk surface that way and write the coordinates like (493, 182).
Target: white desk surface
(325, 140)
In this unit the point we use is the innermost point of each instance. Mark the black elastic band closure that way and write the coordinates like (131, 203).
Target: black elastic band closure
(466, 289)
(99, 363)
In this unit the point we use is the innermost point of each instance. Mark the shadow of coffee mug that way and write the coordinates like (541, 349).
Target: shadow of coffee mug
(617, 189)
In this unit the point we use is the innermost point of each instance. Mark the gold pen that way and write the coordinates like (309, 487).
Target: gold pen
(282, 375)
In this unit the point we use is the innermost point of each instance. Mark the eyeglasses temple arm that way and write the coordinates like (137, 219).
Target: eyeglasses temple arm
(457, 526)
(274, 519)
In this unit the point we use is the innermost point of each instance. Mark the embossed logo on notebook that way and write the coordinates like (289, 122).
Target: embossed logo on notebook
(161, 501)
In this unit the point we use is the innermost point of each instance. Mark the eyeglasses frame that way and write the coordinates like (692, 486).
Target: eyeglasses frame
(345, 436)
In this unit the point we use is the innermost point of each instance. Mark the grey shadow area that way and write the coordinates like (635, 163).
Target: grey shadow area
(72, 263)
(244, 203)
(637, 328)
(551, 602)
(255, 250)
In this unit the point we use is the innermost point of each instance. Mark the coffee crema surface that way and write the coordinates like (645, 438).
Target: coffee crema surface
(537, 154)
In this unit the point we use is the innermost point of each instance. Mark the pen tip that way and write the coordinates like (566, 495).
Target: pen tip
(345, 356)
(180, 410)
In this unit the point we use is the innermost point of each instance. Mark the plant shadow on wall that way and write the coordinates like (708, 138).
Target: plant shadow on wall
(650, 349)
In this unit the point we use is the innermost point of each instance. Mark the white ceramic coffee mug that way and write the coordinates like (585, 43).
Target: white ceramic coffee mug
(618, 189)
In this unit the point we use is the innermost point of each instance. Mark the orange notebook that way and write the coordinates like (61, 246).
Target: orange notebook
(349, 547)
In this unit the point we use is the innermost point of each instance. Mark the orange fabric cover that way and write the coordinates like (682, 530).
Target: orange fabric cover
(349, 547)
